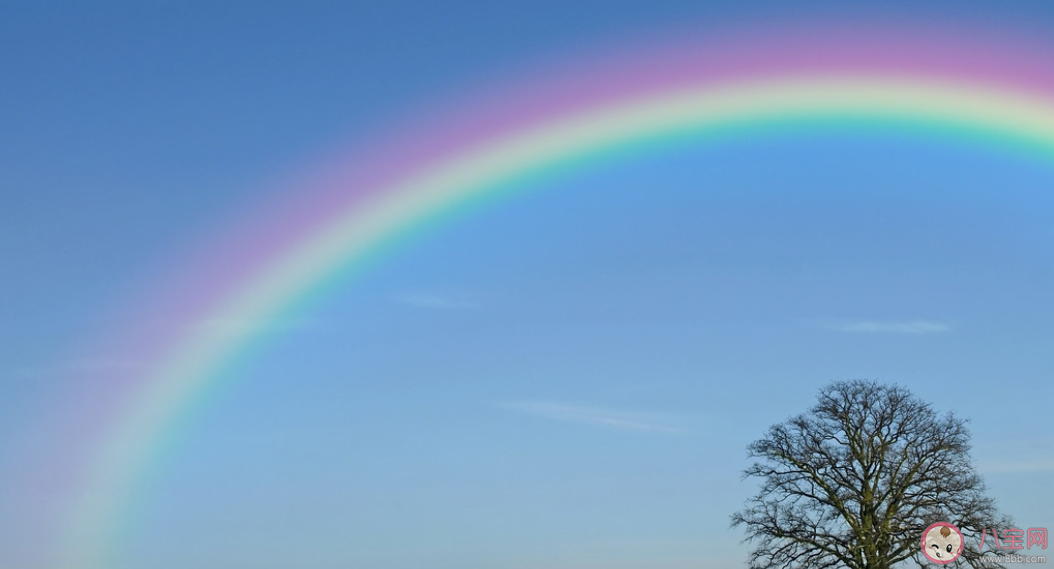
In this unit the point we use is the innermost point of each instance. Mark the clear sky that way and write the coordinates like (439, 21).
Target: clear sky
(566, 378)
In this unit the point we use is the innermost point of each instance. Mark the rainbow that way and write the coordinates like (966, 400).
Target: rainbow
(964, 83)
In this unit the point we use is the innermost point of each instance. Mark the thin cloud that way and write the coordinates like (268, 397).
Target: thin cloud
(243, 327)
(435, 301)
(912, 327)
(1013, 467)
(102, 364)
(612, 419)
(1030, 452)
(78, 366)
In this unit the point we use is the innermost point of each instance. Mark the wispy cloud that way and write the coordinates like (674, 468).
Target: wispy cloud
(243, 326)
(79, 366)
(101, 363)
(609, 418)
(910, 327)
(1027, 452)
(435, 301)
(1016, 466)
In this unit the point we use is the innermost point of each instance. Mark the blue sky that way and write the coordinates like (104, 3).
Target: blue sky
(567, 378)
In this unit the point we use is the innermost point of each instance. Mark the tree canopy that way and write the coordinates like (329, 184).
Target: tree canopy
(856, 480)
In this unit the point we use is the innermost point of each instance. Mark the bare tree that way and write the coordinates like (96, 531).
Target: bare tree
(856, 480)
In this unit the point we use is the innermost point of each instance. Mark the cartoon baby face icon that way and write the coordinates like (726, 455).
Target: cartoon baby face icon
(942, 543)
